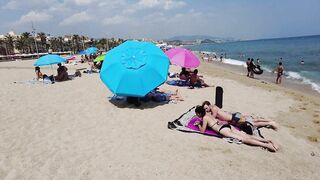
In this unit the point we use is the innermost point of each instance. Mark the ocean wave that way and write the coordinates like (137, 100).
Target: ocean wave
(298, 76)
(208, 52)
(234, 62)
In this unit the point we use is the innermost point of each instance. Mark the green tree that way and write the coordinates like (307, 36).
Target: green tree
(43, 42)
(9, 44)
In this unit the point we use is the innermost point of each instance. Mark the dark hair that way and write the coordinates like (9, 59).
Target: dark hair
(37, 68)
(280, 63)
(195, 71)
(206, 103)
(200, 110)
(183, 69)
(59, 64)
(248, 59)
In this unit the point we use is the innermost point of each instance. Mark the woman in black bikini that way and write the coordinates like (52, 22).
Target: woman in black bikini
(229, 131)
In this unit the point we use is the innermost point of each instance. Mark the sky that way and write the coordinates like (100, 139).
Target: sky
(162, 19)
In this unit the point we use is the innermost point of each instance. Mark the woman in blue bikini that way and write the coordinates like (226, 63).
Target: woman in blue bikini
(229, 131)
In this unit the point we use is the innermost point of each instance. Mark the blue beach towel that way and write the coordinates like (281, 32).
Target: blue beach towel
(178, 83)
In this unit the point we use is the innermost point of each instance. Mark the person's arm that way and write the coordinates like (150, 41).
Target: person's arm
(204, 125)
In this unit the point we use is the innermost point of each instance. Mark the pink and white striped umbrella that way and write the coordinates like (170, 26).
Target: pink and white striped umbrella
(183, 57)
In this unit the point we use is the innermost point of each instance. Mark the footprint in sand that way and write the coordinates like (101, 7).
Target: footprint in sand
(316, 121)
(303, 108)
(312, 138)
(205, 149)
(227, 151)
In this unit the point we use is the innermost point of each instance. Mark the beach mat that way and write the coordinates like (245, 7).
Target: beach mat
(185, 123)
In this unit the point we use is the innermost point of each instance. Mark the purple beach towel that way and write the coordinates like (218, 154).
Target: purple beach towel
(209, 132)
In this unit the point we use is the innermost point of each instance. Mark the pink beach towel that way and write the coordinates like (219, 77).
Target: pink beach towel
(209, 132)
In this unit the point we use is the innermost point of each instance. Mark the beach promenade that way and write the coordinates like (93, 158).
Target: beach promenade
(70, 130)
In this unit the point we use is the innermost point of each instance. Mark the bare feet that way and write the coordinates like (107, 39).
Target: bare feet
(271, 147)
(275, 145)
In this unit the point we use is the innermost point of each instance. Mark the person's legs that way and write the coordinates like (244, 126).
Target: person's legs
(280, 78)
(247, 139)
(264, 123)
(240, 133)
(277, 80)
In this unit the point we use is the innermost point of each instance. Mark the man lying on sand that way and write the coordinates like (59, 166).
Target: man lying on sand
(228, 130)
(237, 118)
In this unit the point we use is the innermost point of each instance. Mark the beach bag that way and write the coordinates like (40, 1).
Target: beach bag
(249, 129)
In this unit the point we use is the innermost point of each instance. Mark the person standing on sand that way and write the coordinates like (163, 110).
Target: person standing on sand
(251, 67)
(248, 67)
(280, 70)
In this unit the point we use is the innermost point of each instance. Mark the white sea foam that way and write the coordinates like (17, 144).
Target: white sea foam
(208, 52)
(298, 76)
(234, 62)
(294, 75)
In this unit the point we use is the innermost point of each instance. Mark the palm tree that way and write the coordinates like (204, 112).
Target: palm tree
(102, 44)
(43, 41)
(75, 43)
(9, 43)
(24, 42)
(2, 47)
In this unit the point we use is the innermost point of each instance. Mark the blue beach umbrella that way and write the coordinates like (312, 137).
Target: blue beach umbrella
(134, 68)
(92, 50)
(49, 60)
(82, 52)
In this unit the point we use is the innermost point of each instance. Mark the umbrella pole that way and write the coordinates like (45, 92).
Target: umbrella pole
(52, 73)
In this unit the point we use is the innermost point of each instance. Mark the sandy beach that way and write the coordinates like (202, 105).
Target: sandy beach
(70, 130)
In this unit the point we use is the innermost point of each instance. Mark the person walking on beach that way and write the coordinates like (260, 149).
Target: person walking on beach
(248, 67)
(279, 70)
(251, 67)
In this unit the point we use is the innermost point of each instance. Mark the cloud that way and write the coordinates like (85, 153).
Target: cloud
(165, 4)
(173, 4)
(11, 5)
(76, 18)
(30, 4)
(149, 3)
(115, 20)
(83, 2)
(33, 16)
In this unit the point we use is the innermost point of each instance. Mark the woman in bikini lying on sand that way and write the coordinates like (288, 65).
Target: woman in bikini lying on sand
(237, 118)
(229, 131)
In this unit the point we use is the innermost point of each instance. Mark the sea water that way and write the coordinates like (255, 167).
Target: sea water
(292, 52)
